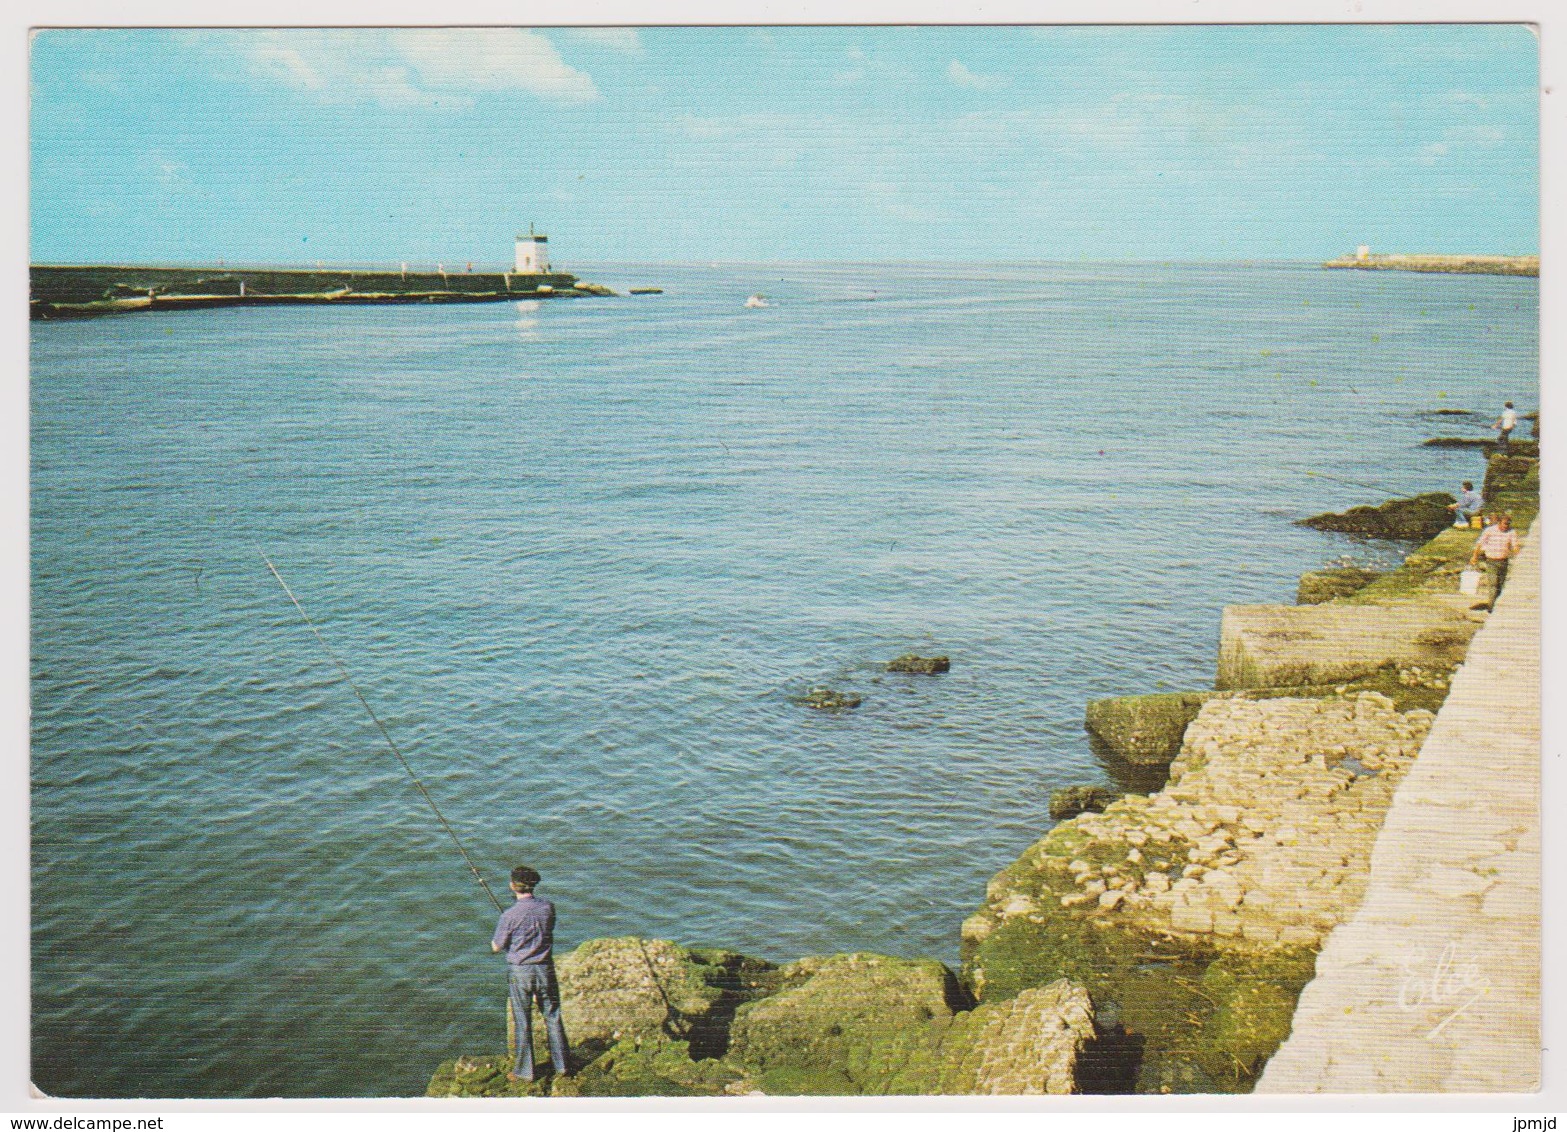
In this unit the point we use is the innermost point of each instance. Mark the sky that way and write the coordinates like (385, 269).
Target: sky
(947, 144)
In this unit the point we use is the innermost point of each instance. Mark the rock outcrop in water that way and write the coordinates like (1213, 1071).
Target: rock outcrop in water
(1415, 519)
(921, 665)
(1528, 448)
(825, 699)
(1318, 586)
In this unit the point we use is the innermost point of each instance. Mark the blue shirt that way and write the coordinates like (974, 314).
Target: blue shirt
(1469, 502)
(526, 931)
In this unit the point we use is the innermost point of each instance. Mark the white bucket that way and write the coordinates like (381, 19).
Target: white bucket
(1469, 582)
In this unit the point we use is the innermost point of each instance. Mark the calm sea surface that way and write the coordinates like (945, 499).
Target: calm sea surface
(583, 557)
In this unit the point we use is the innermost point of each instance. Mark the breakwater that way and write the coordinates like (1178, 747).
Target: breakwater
(1157, 947)
(1445, 264)
(80, 291)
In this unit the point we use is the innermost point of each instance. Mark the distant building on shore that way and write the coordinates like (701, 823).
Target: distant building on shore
(1363, 252)
(533, 254)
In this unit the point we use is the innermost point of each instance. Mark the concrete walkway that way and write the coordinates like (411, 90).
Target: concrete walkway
(1434, 985)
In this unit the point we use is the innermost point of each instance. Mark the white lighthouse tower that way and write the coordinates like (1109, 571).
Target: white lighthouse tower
(533, 253)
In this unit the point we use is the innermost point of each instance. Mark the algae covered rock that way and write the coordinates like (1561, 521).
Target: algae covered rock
(1144, 730)
(1253, 1008)
(1506, 473)
(1069, 801)
(482, 1077)
(656, 1067)
(1026, 1046)
(825, 699)
(1318, 586)
(921, 665)
(818, 1033)
(614, 989)
(1416, 519)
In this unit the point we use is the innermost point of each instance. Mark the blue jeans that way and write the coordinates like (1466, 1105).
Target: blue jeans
(531, 981)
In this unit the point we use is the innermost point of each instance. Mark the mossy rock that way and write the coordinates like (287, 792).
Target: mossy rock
(1069, 801)
(1021, 954)
(1509, 473)
(831, 1010)
(1144, 730)
(1253, 1008)
(826, 699)
(1146, 993)
(657, 1067)
(920, 665)
(1417, 518)
(805, 1081)
(633, 988)
(1027, 1045)
(482, 1077)
(1172, 1016)
(1318, 586)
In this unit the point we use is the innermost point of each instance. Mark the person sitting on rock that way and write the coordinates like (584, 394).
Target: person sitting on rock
(1468, 505)
(1499, 544)
(526, 933)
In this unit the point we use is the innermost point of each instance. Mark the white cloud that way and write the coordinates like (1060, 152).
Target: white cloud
(624, 40)
(492, 59)
(960, 75)
(402, 68)
(1431, 154)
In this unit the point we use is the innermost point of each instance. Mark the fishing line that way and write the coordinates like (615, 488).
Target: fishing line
(1341, 479)
(349, 680)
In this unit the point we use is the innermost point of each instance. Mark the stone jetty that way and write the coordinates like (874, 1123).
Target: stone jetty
(59, 291)
(1446, 264)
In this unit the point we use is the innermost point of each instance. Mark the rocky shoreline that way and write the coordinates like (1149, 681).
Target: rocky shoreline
(1153, 943)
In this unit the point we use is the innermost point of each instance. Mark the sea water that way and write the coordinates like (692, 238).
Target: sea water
(584, 558)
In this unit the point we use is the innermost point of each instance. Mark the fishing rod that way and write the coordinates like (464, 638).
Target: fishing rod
(511, 1015)
(349, 680)
(1341, 479)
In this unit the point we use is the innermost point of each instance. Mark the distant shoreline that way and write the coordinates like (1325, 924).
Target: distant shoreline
(1447, 264)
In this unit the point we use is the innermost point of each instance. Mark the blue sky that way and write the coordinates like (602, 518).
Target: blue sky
(849, 143)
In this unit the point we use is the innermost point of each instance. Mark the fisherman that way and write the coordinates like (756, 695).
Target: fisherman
(1499, 543)
(1504, 426)
(526, 934)
(1468, 505)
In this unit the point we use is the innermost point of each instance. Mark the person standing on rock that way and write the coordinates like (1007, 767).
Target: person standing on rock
(1505, 425)
(1468, 505)
(526, 934)
(1499, 544)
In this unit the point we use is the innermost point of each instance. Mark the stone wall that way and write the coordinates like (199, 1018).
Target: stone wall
(1434, 984)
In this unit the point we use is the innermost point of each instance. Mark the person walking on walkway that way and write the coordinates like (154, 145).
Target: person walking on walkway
(526, 934)
(1499, 544)
(1468, 505)
(1504, 426)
